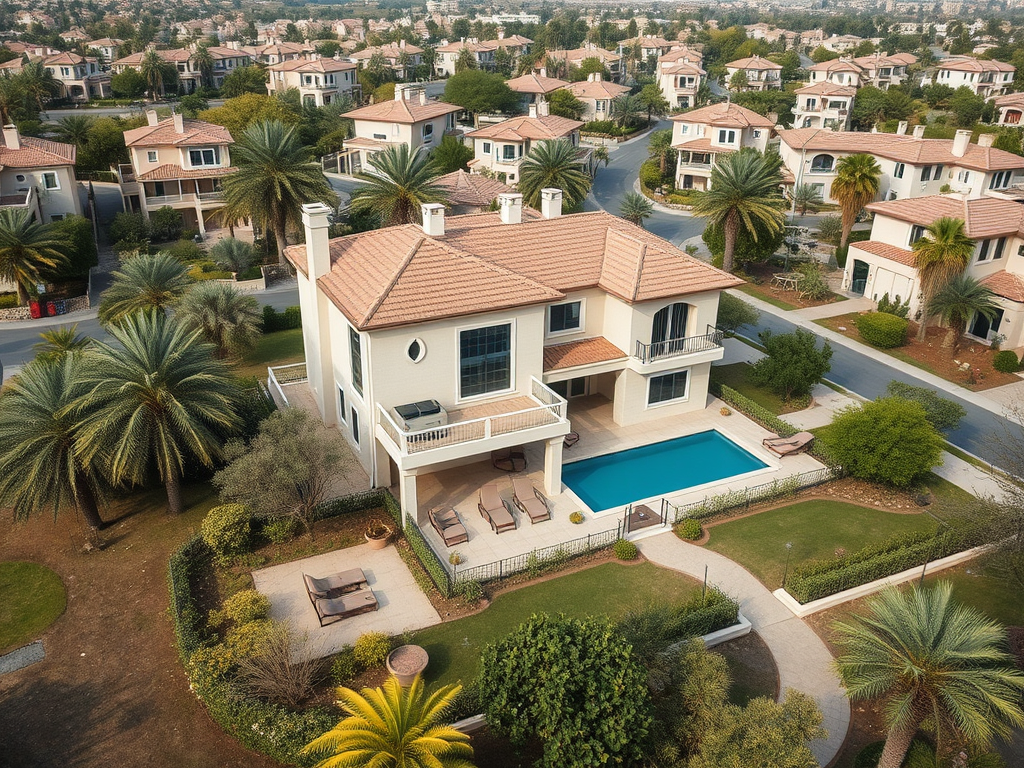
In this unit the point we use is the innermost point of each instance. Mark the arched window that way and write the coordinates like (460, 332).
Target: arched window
(807, 122)
(823, 163)
(670, 323)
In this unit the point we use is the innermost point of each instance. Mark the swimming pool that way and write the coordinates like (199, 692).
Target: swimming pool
(617, 479)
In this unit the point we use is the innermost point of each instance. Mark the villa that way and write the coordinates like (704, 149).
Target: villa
(318, 80)
(448, 55)
(701, 135)
(401, 58)
(536, 87)
(501, 147)
(824, 105)
(611, 61)
(985, 77)
(39, 176)
(598, 96)
(1011, 108)
(762, 74)
(680, 76)
(878, 69)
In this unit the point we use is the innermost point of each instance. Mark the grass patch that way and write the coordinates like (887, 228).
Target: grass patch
(816, 528)
(976, 585)
(278, 348)
(749, 342)
(753, 290)
(735, 375)
(32, 597)
(609, 590)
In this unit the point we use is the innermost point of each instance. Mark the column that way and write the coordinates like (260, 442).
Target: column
(407, 496)
(553, 466)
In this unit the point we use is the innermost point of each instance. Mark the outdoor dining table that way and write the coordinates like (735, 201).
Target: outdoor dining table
(787, 281)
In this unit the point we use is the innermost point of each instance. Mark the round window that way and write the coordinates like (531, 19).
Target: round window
(416, 351)
(20, 177)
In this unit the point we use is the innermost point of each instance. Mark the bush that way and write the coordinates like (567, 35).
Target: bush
(8, 300)
(625, 550)
(650, 629)
(471, 591)
(734, 313)
(689, 529)
(943, 414)
(281, 321)
(372, 649)
(606, 127)
(1006, 361)
(344, 667)
(650, 174)
(226, 529)
(894, 306)
(814, 285)
(81, 253)
(882, 330)
(830, 229)
(166, 223)
(249, 639)
(281, 530)
(576, 517)
(755, 411)
(793, 364)
(430, 561)
(129, 227)
(217, 661)
(188, 252)
(246, 606)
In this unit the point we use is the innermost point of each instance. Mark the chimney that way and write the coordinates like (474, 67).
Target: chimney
(543, 108)
(423, 97)
(919, 132)
(901, 129)
(151, 118)
(960, 142)
(543, 71)
(11, 138)
(433, 219)
(551, 202)
(399, 93)
(986, 139)
(401, 43)
(318, 255)
(510, 205)
(179, 123)
(315, 320)
(533, 110)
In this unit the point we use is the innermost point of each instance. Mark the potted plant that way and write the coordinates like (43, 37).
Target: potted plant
(377, 535)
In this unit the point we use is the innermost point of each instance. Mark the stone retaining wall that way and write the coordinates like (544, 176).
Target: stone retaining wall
(75, 304)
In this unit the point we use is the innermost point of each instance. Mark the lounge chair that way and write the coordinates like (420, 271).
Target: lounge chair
(509, 459)
(529, 500)
(785, 446)
(335, 585)
(571, 439)
(493, 509)
(448, 525)
(330, 610)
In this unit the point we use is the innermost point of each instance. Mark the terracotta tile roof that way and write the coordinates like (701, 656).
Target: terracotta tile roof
(163, 134)
(171, 171)
(104, 42)
(682, 68)
(886, 251)
(836, 65)
(882, 60)
(403, 111)
(828, 89)
(648, 41)
(583, 352)
(682, 53)
(581, 54)
(1010, 100)
(701, 145)
(535, 128)
(725, 114)
(532, 83)
(470, 188)
(1002, 283)
(70, 59)
(389, 277)
(597, 89)
(753, 62)
(970, 64)
(276, 49)
(389, 51)
(312, 65)
(512, 41)
(36, 153)
(472, 47)
(904, 149)
(983, 217)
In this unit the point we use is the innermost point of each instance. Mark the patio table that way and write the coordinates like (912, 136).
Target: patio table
(787, 281)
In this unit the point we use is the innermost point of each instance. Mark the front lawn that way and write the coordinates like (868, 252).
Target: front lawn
(976, 584)
(610, 590)
(277, 348)
(736, 376)
(32, 597)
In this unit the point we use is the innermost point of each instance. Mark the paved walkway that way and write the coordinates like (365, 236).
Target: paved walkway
(803, 660)
(834, 309)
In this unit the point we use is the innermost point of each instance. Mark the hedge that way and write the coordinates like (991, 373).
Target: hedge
(882, 330)
(273, 320)
(438, 573)
(703, 615)
(758, 413)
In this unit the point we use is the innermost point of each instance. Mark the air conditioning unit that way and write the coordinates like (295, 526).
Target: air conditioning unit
(425, 414)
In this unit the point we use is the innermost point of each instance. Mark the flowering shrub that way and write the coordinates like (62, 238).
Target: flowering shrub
(372, 649)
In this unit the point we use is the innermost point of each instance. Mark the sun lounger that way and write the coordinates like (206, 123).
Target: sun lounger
(330, 610)
(529, 500)
(571, 439)
(448, 525)
(509, 459)
(493, 509)
(335, 585)
(785, 446)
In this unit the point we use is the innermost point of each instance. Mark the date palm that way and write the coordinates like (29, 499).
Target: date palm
(942, 253)
(553, 164)
(957, 302)
(401, 181)
(276, 176)
(628, 111)
(806, 196)
(858, 178)
(151, 67)
(744, 194)
(227, 319)
(635, 208)
(74, 129)
(393, 727)
(927, 657)
(202, 60)
(38, 83)
(27, 250)
(61, 342)
(233, 255)
(155, 397)
(144, 282)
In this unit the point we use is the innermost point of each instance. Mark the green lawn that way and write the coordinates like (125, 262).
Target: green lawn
(32, 597)
(816, 528)
(610, 589)
(752, 290)
(975, 585)
(735, 376)
(278, 348)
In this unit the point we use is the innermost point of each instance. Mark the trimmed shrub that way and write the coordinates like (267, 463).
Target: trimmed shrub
(372, 649)
(655, 627)
(129, 227)
(8, 300)
(188, 252)
(433, 566)
(471, 591)
(894, 306)
(1006, 361)
(650, 174)
(625, 550)
(942, 413)
(883, 330)
(226, 530)
(281, 530)
(167, 223)
(250, 638)
(758, 413)
(281, 321)
(689, 529)
(344, 667)
(246, 606)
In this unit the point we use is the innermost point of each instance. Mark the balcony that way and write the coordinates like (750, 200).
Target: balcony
(157, 201)
(22, 198)
(672, 348)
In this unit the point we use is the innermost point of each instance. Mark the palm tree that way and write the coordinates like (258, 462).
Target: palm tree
(27, 250)
(155, 397)
(553, 164)
(228, 319)
(202, 59)
(466, 60)
(74, 129)
(41, 465)
(151, 66)
(401, 181)
(276, 176)
(957, 302)
(628, 111)
(600, 155)
(941, 254)
(659, 147)
(744, 193)
(806, 196)
(635, 208)
(38, 83)
(393, 727)
(233, 255)
(856, 184)
(927, 657)
(144, 282)
(12, 99)
(61, 342)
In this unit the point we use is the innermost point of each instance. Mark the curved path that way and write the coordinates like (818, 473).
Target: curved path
(803, 660)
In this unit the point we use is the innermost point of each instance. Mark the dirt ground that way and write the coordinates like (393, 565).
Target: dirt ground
(762, 287)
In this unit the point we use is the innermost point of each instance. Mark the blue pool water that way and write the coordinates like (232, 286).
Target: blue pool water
(617, 479)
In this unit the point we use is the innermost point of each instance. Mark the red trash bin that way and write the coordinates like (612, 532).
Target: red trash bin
(51, 309)
(35, 310)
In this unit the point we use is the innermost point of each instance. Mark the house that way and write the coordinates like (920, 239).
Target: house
(598, 96)
(882, 70)
(446, 56)
(841, 71)
(401, 58)
(912, 166)
(349, 29)
(701, 135)
(275, 53)
(840, 43)
(39, 176)
(648, 45)
(80, 78)
(500, 148)
(411, 119)
(516, 46)
(824, 105)
(536, 87)
(225, 61)
(176, 162)
(680, 76)
(986, 78)
(107, 47)
(762, 74)
(1011, 107)
(611, 61)
(471, 192)
(620, 313)
(318, 80)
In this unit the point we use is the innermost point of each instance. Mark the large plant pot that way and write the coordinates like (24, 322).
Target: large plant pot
(407, 661)
(377, 543)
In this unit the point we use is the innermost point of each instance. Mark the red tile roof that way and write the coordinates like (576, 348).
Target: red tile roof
(597, 89)
(470, 188)
(583, 352)
(521, 128)
(313, 65)
(531, 83)
(753, 62)
(36, 153)
(970, 64)
(983, 217)
(196, 132)
(827, 89)
(403, 111)
(170, 171)
(886, 251)
(725, 114)
(1005, 284)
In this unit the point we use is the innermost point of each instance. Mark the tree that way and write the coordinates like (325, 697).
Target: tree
(244, 80)
(869, 107)
(627, 111)
(129, 84)
(941, 254)
(734, 313)
(966, 107)
(636, 208)
(937, 95)
(744, 193)
(79, 248)
(74, 129)
(738, 82)
(202, 60)
(104, 145)
(591, 65)
(806, 196)
(959, 300)
(564, 104)
(228, 319)
(659, 147)
(60, 342)
(888, 440)
(276, 176)
(155, 397)
(466, 61)
(27, 249)
(151, 67)
(399, 184)
(394, 726)
(233, 255)
(239, 113)
(943, 414)
(451, 155)
(553, 164)
(821, 54)
(192, 104)
(477, 91)
(573, 684)
(925, 656)
(653, 101)
(792, 364)
(857, 181)
(38, 83)
(144, 283)
(166, 223)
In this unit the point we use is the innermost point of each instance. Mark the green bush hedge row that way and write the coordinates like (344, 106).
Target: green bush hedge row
(758, 413)
(281, 321)
(882, 330)
(703, 615)
(8, 300)
(438, 573)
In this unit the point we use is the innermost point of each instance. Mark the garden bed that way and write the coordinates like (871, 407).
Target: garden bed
(736, 375)
(759, 278)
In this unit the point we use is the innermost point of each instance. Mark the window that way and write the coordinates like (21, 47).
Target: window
(926, 173)
(56, 217)
(757, 133)
(416, 350)
(380, 136)
(485, 360)
(599, 106)
(356, 353)
(822, 163)
(663, 389)
(487, 147)
(50, 181)
(983, 253)
(1000, 245)
(355, 426)
(819, 188)
(726, 136)
(685, 129)
(1000, 180)
(812, 104)
(428, 132)
(964, 177)
(916, 233)
(151, 155)
(508, 152)
(898, 170)
(938, 172)
(20, 177)
(564, 317)
(210, 156)
(670, 323)
(341, 404)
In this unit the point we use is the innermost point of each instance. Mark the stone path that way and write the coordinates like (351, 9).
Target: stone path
(22, 657)
(836, 308)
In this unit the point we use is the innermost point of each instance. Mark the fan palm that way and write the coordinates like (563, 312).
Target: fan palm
(393, 727)
(276, 176)
(927, 657)
(144, 282)
(744, 193)
(628, 111)
(228, 319)
(401, 181)
(553, 164)
(151, 67)
(27, 249)
(957, 302)
(156, 397)
(857, 181)
(941, 254)
(806, 196)
(74, 129)
(61, 342)
(635, 208)
(233, 255)
(41, 466)
(659, 147)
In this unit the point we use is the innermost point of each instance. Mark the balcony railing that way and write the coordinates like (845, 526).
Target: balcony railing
(125, 173)
(20, 199)
(648, 353)
(205, 196)
(186, 197)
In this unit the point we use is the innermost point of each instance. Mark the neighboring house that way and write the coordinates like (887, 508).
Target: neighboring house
(762, 74)
(597, 95)
(650, 45)
(882, 70)
(620, 314)
(987, 78)
(108, 47)
(912, 166)
(516, 45)
(189, 75)
(349, 29)
(411, 119)
(401, 58)
(318, 80)
(841, 71)
(1011, 108)
(612, 61)
(500, 148)
(701, 135)
(39, 176)
(446, 56)
(80, 79)
(225, 61)
(177, 162)
(840, 43)
(536, 87)
(471, 192)
(275, 53)
(680, 76)
(824, 105)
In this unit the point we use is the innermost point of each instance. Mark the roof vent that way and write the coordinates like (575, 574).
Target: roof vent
(551, 202)
(11, 138)
(919, 131)
(960, 143)
(151, 118)
(986, 139)
(510, 206)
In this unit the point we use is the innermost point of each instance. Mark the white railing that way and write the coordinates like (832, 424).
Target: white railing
(688, 345)
(187, 197)
(283, 375)
(205, 196)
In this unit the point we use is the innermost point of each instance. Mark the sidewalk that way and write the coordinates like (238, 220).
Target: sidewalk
(837, 308)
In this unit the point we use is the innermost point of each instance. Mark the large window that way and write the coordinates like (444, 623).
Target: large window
(671, 386)
(899, 170)
(428, 132)
(670, 323)
(356, 353)
(822, 163)
(508, 152)
(564, 317)
(485, 360)
(726, 137)
(1000, 180)
(209, 156)
(50, 181)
